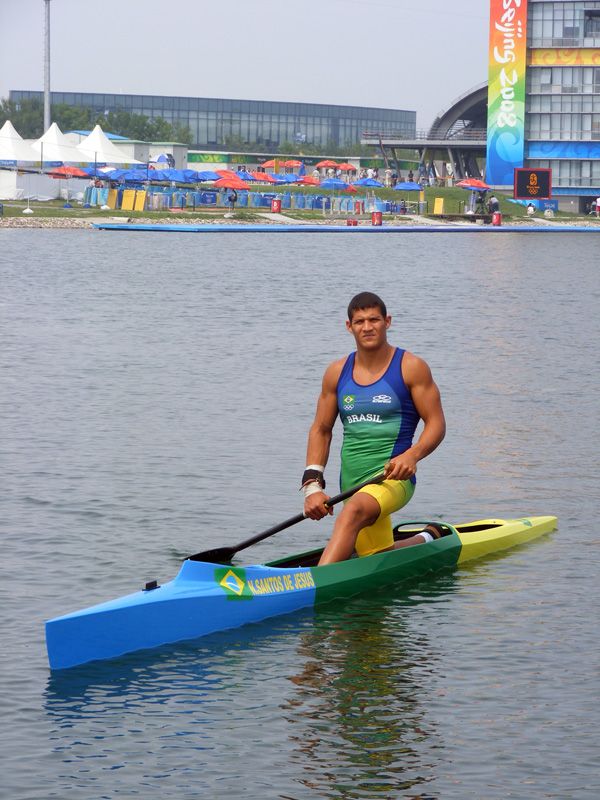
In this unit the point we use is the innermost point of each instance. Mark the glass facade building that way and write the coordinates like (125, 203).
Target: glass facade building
(562, 120)
(268, 123)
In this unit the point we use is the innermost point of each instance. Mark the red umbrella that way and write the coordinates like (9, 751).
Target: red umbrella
(351, 188)
(269, 164)
(67, 172)
(327, 163)
(472, 183)
(230, 183)
(292, 162)
(228, 173)
(345, 167)
(308, 180)
(263, 177)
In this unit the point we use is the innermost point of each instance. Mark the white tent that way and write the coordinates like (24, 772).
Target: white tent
(13, 147)
(97, 148)
(54, 146)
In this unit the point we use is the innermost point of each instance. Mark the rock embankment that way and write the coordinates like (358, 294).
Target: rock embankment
(44, 222)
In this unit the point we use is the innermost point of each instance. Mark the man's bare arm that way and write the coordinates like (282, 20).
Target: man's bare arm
(426, 397)
(320, 434)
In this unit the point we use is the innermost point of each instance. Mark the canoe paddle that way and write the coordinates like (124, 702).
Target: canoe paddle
(221, 555)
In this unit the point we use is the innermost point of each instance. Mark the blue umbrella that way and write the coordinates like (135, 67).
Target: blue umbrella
(369, 182)
(408, 186)
(245, 176)
(207, 175)
(281, 178)
(333, 183)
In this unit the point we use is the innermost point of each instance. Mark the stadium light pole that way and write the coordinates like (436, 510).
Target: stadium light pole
(47, 66)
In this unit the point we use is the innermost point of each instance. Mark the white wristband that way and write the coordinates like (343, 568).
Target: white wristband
(311, 488)
(318, 467)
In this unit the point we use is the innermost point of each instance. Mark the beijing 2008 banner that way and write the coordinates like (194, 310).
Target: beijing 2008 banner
(506, 90)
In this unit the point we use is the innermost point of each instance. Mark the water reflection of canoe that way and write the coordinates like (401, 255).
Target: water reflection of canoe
(205, 598)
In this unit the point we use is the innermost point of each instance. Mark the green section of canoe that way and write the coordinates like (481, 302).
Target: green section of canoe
(357, 575)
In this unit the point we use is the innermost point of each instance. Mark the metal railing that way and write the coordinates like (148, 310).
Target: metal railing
(468, 134)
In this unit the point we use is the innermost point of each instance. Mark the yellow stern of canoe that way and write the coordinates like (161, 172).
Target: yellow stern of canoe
(486, 536)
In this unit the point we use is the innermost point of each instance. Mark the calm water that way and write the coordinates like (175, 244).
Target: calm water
(155, 395)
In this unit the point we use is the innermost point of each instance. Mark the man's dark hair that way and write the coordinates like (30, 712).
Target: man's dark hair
(366, 300)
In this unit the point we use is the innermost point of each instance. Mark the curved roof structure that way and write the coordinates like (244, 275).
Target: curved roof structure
(468, 113)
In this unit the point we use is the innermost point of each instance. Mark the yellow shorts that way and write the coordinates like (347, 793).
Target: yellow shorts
(391, 495)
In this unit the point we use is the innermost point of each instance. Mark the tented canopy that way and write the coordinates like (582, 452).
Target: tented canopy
(98, 148)
(54, 146)
(13, 148)
(408, 186)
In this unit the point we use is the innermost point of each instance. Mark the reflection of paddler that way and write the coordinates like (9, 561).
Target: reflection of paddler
(356, 704)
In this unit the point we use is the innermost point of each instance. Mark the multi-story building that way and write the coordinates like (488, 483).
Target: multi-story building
(544, 94)
(215, 122)
(539, 108)
(562, 115)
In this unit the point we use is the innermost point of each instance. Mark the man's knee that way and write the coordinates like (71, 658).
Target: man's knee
(362, 510)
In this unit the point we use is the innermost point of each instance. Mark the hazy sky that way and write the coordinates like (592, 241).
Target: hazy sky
(409, 54)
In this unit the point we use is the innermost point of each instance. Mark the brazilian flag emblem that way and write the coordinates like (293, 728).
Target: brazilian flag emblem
(348, 401)
(233, 581)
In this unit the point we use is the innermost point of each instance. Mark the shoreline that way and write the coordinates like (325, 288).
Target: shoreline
(279, 220)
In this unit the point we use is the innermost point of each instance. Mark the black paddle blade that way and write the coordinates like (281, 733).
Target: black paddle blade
(218, 555)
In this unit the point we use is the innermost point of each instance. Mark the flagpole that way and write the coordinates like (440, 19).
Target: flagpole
(47, 113)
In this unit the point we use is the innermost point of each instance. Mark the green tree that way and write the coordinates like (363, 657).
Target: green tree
(123, 123)
(72, 118)
(181, 133)
(7, 111)
(27, 117)
(159, 130)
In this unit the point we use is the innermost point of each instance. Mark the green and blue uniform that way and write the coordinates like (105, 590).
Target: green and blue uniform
(379, 423)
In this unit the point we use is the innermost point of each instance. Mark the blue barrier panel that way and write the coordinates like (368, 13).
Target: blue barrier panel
(243, 199)
(310, 201)
(300, 201)
(286, 200)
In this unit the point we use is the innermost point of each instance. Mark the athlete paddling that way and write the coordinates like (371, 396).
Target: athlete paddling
(380, 393)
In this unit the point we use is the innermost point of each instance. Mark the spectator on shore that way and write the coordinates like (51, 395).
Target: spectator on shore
(232, 198)
(480, 202)
(493, 204)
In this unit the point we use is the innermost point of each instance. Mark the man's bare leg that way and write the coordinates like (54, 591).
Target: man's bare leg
(359, 512)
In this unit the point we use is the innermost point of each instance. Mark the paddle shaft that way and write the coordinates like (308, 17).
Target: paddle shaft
(221, 554)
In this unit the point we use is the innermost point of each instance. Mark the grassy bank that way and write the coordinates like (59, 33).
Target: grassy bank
(455, 202)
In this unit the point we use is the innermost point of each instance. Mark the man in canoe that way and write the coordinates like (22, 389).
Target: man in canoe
(380, 393)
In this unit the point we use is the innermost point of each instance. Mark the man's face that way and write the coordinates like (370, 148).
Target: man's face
(369, 327)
